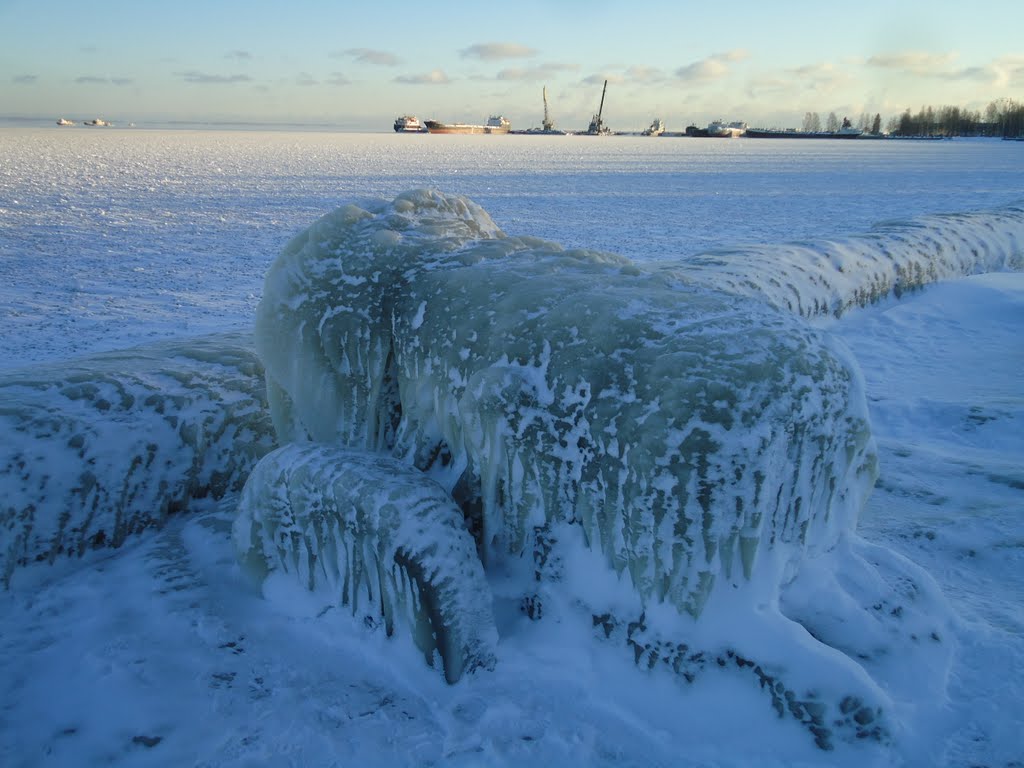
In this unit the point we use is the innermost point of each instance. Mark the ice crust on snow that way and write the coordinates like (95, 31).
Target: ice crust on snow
(376, 536)
(103, 447)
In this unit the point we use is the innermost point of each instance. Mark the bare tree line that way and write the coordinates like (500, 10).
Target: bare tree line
(1002, 117)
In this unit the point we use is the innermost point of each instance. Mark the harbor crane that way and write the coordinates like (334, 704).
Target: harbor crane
(597, 128)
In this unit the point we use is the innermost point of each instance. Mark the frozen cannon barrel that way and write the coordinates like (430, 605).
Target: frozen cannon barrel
(378, 537)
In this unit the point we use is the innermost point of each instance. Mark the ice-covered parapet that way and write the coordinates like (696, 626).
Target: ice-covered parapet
(695, 436)
(374, 535)
(829, 277)
(102, 447)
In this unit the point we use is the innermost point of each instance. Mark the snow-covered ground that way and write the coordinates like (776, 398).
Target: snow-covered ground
(162, 653)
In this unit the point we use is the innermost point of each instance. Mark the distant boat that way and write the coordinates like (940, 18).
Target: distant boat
(97, 121)
(846, 131)
(541, 132)
(495, 124)
(721, 130)
(409, 124)
(657, 128)
(63, 121)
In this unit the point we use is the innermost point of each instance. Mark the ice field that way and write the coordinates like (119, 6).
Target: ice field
(808, 327)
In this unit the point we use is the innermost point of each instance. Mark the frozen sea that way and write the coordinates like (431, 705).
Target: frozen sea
(159, 653)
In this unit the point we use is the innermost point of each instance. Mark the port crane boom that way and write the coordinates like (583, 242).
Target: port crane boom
(596, 126)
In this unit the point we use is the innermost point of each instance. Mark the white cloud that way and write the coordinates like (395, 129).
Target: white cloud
(204, 78)
(497, 51)
(714, 67)
(535, 74)
(92, 80)
(599, 79)
(370, 56)
(435, 77)
(641, 74)
(913, 62)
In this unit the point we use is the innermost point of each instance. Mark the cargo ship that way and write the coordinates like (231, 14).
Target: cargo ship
(846, 131)
(495, 124)
(409, 124)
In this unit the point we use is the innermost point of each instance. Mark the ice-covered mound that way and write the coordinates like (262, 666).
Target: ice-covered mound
(377, 536)
(672, 456)
(688, 432)
(829, 277)
(99, 448)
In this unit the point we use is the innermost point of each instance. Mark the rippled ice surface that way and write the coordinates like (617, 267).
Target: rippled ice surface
(117, 236)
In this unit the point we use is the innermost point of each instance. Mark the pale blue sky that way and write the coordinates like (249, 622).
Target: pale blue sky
(359, 65)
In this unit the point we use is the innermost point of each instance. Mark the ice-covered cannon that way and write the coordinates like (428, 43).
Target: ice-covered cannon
(377, 536)
(686, 432)
(105, 446)
(628, 440)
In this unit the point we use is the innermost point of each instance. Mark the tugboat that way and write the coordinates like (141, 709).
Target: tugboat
(64, 121)
(409, 124)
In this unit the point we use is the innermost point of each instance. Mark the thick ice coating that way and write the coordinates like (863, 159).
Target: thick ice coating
(686, 430)
(830, 277)
(380, 537)
(99, 448)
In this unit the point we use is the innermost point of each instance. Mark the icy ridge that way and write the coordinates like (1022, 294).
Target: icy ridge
(106, 446)
(374, 535)
(831, 277)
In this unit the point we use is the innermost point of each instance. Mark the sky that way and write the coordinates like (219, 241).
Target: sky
(357, 66)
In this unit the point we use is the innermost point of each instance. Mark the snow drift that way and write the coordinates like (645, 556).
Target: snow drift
(106, 446)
